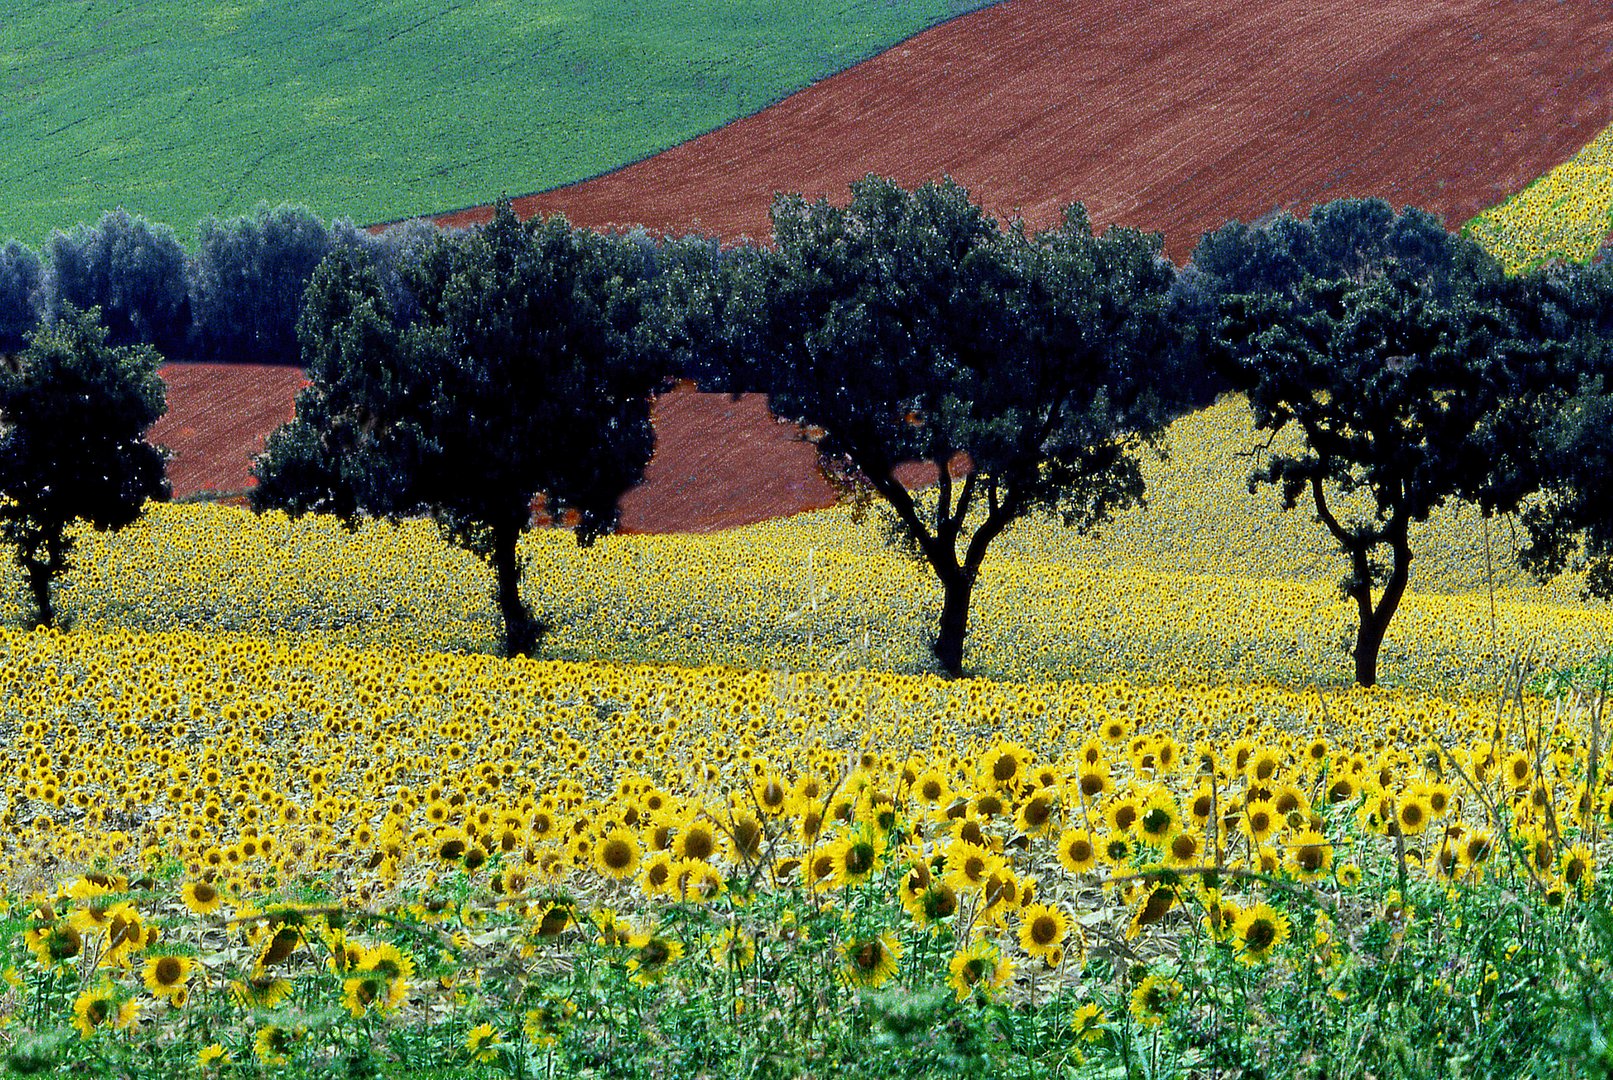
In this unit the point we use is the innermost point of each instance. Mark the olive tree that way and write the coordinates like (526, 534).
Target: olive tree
(528, 374)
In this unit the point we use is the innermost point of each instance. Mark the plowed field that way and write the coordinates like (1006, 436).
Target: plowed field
(218, 416)
(1175, 115)
(719, 463)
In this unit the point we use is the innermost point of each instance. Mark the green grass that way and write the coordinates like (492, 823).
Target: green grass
(181, 108)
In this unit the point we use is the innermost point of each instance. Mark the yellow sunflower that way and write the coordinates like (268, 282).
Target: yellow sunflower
(99, 1007)
(1042, 929)
(1260, 929)
(167, 976)
(653, 955)
(617, 855)
(1152, 999)
(980, 969)
(870, 961)
(1078, 852)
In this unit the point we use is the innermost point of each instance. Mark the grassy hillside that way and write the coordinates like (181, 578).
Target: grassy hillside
(180, 108)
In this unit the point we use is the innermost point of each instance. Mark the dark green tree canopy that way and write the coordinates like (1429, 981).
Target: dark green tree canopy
(20, 275)
(909, 326)
(247, 276)
(73, 417)
(1570, 411)
(527, 375)
(129, 268)
(1388, 344)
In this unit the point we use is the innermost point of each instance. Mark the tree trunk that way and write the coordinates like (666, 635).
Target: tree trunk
(1375, 621)
(522, 633)
(948, 644)
(39, 582)
(1368, 640)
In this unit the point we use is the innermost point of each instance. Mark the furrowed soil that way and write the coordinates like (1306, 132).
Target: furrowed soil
(1173, 116)
(218, 417)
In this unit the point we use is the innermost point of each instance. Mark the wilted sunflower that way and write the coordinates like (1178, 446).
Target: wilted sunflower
(979, 969)
(870, 961)
(1155, 906)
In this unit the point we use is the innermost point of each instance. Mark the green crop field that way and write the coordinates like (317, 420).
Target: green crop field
(181, 108)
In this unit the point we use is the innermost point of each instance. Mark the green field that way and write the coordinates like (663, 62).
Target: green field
(181, 108)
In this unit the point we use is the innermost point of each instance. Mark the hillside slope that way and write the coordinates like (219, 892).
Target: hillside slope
(1176, 115)
(180, 108)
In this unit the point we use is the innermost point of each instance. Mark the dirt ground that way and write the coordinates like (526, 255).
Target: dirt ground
(218, 416)
(718, 463)
(1175, 115)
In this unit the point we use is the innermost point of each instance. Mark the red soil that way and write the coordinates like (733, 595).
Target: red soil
(218, 416)
(1176, 115)
(718, 463)
(721, 463)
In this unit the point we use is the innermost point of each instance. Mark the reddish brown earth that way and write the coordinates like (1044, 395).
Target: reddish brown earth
(721, 463)
(218, 416)
(1175, 115)
(718, 463)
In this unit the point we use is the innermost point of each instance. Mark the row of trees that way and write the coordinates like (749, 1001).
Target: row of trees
(234, 296)
(910, 326)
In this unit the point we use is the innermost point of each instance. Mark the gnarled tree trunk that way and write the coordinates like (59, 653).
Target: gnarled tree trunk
(523, 634)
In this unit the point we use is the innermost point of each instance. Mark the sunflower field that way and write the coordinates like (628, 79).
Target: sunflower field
(269, 806)
(1565, 215)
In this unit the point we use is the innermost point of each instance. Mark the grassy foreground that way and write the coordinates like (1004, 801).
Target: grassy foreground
(181, 108)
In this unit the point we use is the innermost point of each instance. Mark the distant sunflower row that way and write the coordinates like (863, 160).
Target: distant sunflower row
(1566, 214)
